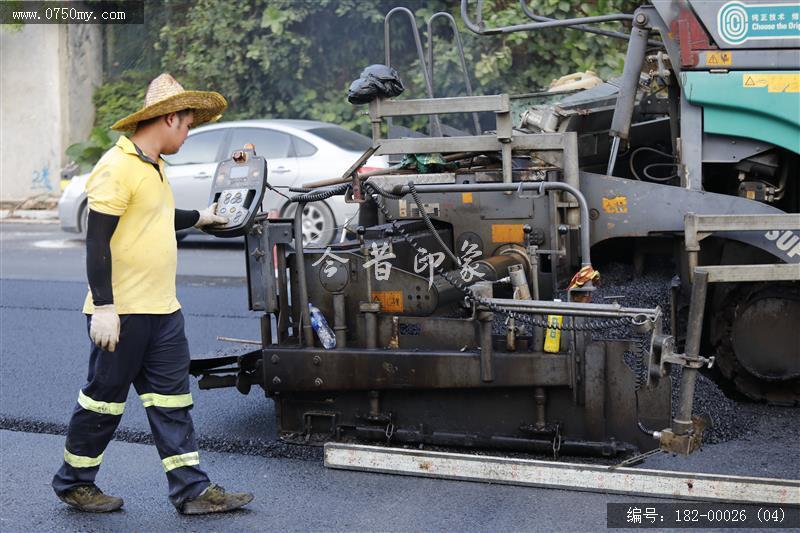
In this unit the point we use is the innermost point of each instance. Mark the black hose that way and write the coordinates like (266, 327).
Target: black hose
(649, 176)
(429, 224)
(317, 195)
(646, 174)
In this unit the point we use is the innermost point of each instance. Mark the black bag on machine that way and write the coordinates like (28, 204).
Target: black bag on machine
(375, 80)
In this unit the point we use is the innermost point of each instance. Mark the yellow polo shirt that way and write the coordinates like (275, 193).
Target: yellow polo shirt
(144, 252)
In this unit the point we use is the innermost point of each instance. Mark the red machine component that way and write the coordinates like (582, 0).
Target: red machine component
(691, 37)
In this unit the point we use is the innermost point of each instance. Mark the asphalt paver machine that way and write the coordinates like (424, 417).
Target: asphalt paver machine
(461, 305)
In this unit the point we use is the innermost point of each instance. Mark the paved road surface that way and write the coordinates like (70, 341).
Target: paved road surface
(25, 246)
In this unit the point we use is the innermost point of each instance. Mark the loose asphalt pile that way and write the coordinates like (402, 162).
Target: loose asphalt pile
(730, 419)
(618, 283)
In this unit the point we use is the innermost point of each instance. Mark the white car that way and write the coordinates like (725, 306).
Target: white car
(297, 152)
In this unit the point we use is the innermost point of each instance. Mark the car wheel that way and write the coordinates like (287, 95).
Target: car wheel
(319, 227)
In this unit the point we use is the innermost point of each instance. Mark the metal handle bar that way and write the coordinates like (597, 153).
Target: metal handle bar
(480, 30)
(547, 307)
(460, 48)
(582, 27)
(436, 129)
(590, 29)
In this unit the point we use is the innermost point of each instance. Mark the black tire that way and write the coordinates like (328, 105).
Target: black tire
(732, 373)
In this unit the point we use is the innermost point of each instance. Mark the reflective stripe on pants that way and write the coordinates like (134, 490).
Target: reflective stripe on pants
(104, 408)
(177, 461)
(151, 399)
(80, 461)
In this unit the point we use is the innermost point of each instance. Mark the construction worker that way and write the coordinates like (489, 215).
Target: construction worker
(134, 318)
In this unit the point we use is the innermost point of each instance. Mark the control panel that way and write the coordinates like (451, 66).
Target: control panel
(238, 189)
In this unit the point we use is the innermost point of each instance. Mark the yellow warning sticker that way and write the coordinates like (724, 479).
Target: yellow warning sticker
(616, 205)
(391, 301)
(775, 83)
(719, 59)
(507, 233)
(466, 197)
(552, 337)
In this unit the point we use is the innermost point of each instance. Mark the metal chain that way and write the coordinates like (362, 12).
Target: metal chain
(556, 444)
(636, 459)
(640, 359)
(594, 325)
(429, 224)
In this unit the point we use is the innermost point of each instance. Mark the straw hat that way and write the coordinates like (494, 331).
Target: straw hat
(165, 95)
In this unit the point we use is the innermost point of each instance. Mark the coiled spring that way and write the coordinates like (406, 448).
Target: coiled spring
(318, 195)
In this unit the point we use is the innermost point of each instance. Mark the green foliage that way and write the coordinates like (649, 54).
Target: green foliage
(87, 153)
(296, 59)
(276, 58)
(10, 6)
(528, 61)
(121, 97)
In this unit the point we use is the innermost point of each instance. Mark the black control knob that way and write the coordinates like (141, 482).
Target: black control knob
(536, 237)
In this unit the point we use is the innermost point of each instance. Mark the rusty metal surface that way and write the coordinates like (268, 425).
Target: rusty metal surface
(309, 369)
(686, 443)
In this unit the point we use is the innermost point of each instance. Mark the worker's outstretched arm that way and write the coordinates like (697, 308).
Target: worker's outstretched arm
(104, 329)
(186, 218)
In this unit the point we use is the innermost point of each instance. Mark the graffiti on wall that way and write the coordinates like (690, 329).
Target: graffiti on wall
(40, 180)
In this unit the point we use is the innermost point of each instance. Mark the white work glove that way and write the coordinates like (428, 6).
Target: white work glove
(209, 216)
(104, 329)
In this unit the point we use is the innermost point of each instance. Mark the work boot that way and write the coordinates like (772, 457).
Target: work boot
(90, 499)
(215, 500)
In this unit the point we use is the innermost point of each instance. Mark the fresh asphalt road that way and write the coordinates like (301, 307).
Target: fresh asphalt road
(43, 353)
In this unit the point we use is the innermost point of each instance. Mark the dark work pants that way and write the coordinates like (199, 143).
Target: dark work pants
(153, 354)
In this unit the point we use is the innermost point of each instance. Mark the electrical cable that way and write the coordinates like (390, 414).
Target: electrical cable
(273, 189)
(429, 224)
(647, 175)
(323, 193)
(659, 178)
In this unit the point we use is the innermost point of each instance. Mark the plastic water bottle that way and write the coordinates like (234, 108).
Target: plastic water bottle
(321, 327)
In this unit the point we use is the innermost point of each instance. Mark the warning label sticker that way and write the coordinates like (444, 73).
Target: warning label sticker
(719, 59)
(507, 233)
(616, 205)
(775, 83)
(391, 301)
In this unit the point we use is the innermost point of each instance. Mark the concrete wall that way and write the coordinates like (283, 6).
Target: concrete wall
(49, 73)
